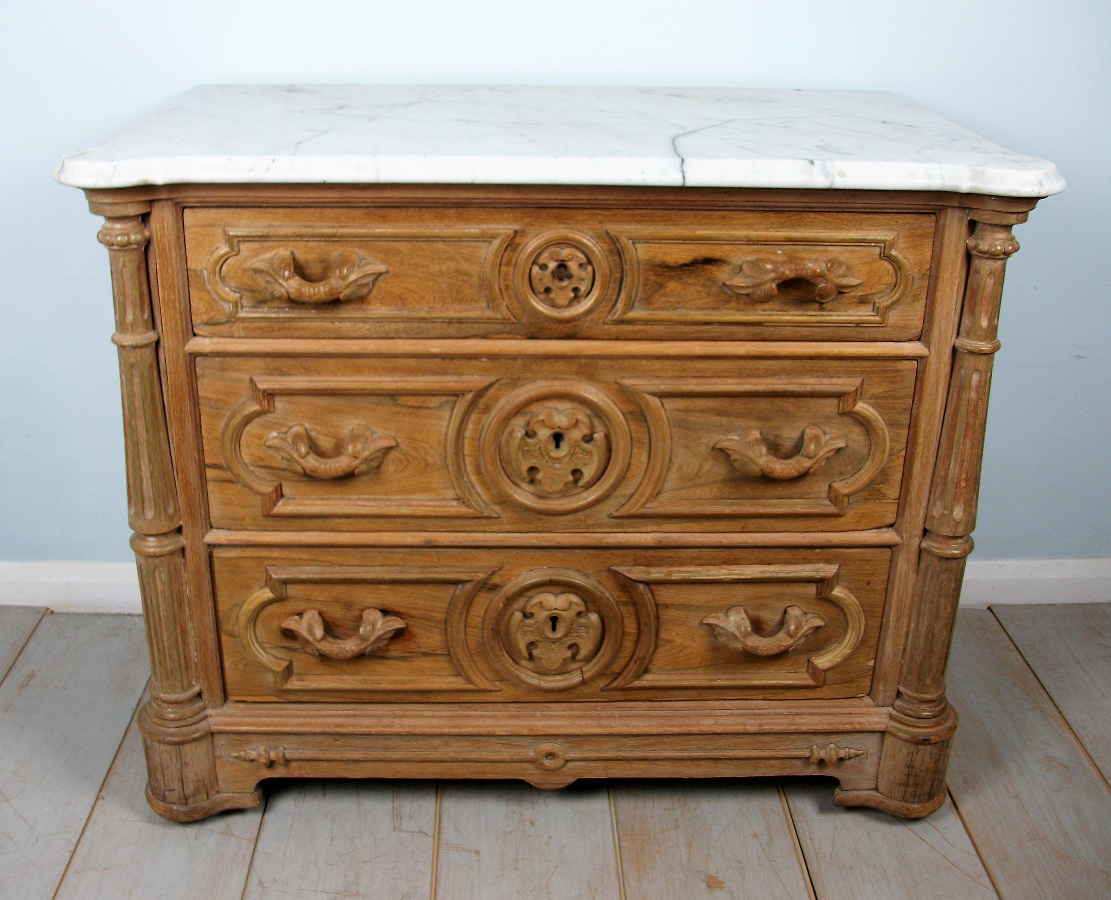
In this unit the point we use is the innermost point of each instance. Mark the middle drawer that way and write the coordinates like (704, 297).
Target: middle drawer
(554, 444)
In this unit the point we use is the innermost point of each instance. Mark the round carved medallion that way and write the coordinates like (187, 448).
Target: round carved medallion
(555, 446)
(552, 628)
(562, 274)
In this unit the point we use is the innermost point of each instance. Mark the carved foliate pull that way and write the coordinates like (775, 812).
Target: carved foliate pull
(733, 629)
(363, 450)
(375, 631)
(761, 279)
(351, 276)
(552, 630)
(558, 448)
(750, 454)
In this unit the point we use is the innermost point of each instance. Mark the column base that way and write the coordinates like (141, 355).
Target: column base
(913, 762)
(202, 809)
(181, 762)
(900, 808)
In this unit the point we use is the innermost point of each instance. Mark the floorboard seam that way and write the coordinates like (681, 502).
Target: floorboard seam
(787, 814)
(975, 844)
(616, 845)
(254, 847)
(435, 873)
(23, 646)
(99, 790)
(1060, 712)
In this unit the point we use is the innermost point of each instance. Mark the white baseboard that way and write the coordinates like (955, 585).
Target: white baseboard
(71, 586)
(111, 587)
(990, 582)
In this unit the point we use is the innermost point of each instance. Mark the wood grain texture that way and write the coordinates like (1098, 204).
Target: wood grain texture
(1069, 649)
(866, 855)
(16, 625)
(346, 839)
(128, 852)
(469, 271)
(911, 777)
(457, 605)
(654, 465)
(507, 841)
(706, 840)
(64, 708)
(169, 292)
(484, 378)
(938, 333)
(1032, 798)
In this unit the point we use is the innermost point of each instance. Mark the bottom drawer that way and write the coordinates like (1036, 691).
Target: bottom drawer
(515, 624)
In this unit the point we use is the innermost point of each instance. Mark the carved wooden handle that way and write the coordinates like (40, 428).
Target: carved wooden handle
(351, 277)
(733, 629)
(750, 453)
(375, 631)
(760, 279)
(363, 450)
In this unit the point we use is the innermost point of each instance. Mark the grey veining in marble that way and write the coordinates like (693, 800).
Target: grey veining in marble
(698, 137)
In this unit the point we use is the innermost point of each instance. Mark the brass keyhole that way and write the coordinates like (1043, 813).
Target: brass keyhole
(553, 622)
(557, 438)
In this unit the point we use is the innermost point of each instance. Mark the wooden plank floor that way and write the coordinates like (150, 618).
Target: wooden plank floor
(1029, 813)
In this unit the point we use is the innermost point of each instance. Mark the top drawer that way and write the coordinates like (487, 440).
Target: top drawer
(550, 272)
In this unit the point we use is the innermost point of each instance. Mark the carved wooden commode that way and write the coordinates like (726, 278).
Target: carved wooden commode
(552, 433)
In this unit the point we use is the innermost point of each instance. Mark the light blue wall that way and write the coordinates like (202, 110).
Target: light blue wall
(1031, 75)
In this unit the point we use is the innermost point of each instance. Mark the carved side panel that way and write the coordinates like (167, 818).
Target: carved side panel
(956, 486)
(354, 446)
(786, 446)
(911, 778)
(951, 514)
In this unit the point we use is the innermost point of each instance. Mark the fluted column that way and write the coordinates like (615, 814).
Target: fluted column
(916, 746)
(176, 737)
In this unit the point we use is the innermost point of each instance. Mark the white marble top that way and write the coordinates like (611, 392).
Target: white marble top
(699, 137)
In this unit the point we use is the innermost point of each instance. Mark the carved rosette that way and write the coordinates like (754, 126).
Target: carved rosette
(555, 446)
(561, 274)
(552, 628)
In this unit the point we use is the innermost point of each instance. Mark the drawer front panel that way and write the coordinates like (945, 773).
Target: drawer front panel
(554, 444)
(329, 272)
(548, 625)
(550, 272)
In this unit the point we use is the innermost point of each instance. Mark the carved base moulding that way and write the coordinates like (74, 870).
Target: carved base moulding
(546, 761)
(644, 474)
